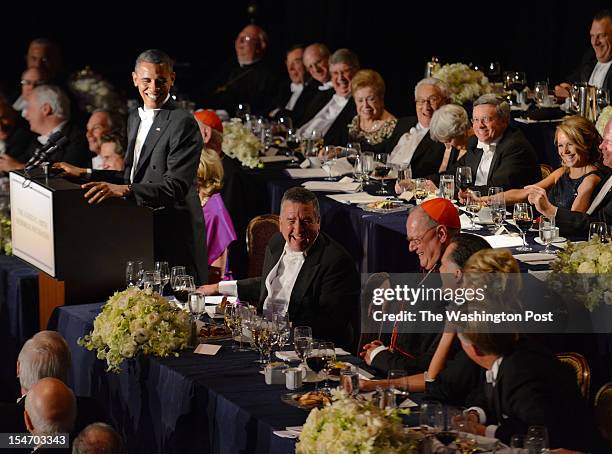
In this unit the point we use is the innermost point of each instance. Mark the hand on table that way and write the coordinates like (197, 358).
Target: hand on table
(367, 351)
(208, 289)
(70, 170)
(100, 190)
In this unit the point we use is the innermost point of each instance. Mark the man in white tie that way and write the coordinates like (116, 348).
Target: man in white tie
(415, 146)
(305, 274)
(498, 154)
(163, 153)
(328, 113)
(573, 222)
(316, 61)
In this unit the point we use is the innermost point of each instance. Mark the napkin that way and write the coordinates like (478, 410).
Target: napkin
(270, 152)
(207, 349)
(355, 198)
(497, 241)
(280, 158)
(290, 355)
(289, 432)
(408, 403)
(466, 222)
(341, 167)
(536, 258)
(331, 186)
(306, 173)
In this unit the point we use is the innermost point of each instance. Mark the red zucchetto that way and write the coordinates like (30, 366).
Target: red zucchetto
(443, 212)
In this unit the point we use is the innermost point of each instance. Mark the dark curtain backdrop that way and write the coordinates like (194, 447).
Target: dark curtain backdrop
(546, 39)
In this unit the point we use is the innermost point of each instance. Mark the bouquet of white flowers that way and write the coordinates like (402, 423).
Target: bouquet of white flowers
(464, 83)
(349, 425)
(135, 321)
(239, 142)
(603, 118)
(93, 92)
(584, 271)
(6, 243)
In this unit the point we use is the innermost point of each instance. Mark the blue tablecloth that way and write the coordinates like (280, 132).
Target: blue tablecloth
(18, 317)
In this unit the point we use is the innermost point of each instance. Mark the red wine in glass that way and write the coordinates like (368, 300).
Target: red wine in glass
(316, 363)
(181, 295)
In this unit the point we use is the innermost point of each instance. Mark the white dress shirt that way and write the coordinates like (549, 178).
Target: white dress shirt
(407, 144)
(482, 173)
(296, 91)
(97, 162)
(491, 377)
(326, 86)
(43, 139)
(146, 121)
(279, 281)
(324, 119)
(599, 74)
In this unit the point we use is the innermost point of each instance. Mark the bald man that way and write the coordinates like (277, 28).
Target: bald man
(98, 438)
(244, 80)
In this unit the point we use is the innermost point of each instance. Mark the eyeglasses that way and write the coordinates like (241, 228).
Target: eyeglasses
(417, 241)
(485, 120)
(34, 83)
(432, 100)
(246, 39)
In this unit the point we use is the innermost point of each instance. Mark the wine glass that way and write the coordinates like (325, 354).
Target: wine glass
(598, 230)
(464, 177)
(547, 232)
(151, 280)
(302, 342)
(243, 111)
(164, 274)
(430, 416)
(315, 359)
(293, 140)
(497, 203)
(328, 353)
(133, 273)
(183, 285)
(174, 273)
(420, 190)
(313, 142)
(231, 319)
(197, 305)
(329, 156)
(352, 150)
(472, 206)
(537, 439)
(399, 389)
(285, 124)
(381, 170)
(540, 92)
(523, 216)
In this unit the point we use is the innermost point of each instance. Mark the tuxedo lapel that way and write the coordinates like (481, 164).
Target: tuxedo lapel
(157, 129)
(475, 161)
(268, 265)
(307, 273)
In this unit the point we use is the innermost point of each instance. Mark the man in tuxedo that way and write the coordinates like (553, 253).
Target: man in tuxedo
(411, 142)
(246, 79)
(498, 154)
(316, 61)
(430, 229)
(330, 113)
(101, 122)
(305, 274)
(164, 146)
(49, 112)
(524, 385)
(574, 222)
(15, 135)
(98, 438)
(595, 68)
(295, 96)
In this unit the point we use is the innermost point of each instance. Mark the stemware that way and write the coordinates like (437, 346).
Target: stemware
(174, 273)
(183, 285)
(523, 217)
(302, 342)
(133, 273)
(537, 439)
(196, 305)
(328, 351)
(313, 142)
(151, 280)
(293, 140)
(497, 204)
(447, 186)
(243, 111)
(349, 380)
(540, 92)
(472, 206)
(381, 170)
(329, 157)
(464, 177)
(399, 389)
(547, 232)
(164, 274)
(285, 124)
(599, 230)
(420, 190)
(430, 416)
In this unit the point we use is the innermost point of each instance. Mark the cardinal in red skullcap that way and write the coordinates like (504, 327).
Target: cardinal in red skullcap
(209, 118)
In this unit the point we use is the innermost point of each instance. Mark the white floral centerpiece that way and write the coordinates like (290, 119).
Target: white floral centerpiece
(584, 271)
(135, 321)
(239, 142)
(6, 243)
(349, 425)
(603, 118)
(464, 83)
(94, 92)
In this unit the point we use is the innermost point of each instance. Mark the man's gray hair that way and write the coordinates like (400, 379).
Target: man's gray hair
(302, 195)
(55, 97)
(61, 423)
(345, 56)
(441, 85)
(322, 48)
(46, 354)
(448, 122)
(115, 119)
(98, 438)
(156, 57)
(502, 108)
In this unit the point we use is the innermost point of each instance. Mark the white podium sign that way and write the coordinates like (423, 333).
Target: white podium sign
(32, 223)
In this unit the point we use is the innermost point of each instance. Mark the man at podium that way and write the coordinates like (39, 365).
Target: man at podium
(164, 145)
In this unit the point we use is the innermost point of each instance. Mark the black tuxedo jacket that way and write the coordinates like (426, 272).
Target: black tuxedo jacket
(318, 101)
(514, 165)
(75, 152)
(311, 89)
(576, 223)
(164, 180)
(21, 142)
(326, 292)
(338, 133)
(534, 388)
(428, 155)
(583, 72)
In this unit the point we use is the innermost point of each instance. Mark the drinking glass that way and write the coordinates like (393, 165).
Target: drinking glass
(472, 206)
(399, 389)
(151, 280)
(381, 170)
(174, 273)
(302, 342)
(547, 232)
(261, 332)
(447, 186)
(282, 328)
(523, 216)
(232, 321)
(497, 203)
(313, 142)
(328, 351)
(536, 440)
(464, 177)
(420, 190)
(197, 305)
(404, 178)
(328, 159)
(293, 140)
(599, 230)
(352, 150)
(183, 285)
(367, 164)
(430, 417)
(358, 172)
(315, 359)
(540, 92)
(164, 274)
(517, 444)
(349, 380)
(133, 273)
(242, 111)
(356, 146)
(285, 124)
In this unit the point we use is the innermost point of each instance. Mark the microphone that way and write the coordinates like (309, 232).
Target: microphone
(55, 141)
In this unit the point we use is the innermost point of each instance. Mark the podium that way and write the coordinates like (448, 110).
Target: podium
(79, 249)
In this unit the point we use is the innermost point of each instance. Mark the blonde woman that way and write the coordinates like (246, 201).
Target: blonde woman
(219, 227)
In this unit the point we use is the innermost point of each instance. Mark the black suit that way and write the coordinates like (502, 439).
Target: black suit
(583, 72)
(514, 164)
(428, 155)
(325, 294)
(338, 132)
(310, 90)
(75, 152)
(21, 141)
(319, 100)
(576, 223)
(533, 388)
(164, 180)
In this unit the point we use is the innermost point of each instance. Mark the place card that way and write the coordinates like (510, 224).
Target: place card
(207, 349)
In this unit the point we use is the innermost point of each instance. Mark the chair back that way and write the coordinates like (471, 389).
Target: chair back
(580, 367)
(603, 410)
(259, 231)
(546, 170)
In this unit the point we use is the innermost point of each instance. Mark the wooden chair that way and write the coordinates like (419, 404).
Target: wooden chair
(259, 231)
(581, 368)
(546, 170)
(603, 410)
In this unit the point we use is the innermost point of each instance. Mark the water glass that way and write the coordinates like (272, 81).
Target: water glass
(164, 274)
(517, 444)
(547, 232)
(197, 305)
(396, 382)
(328, 159)
(243, 111)
(151, 280)
(599, 230)
(537, 439)
(349, 380)
(431, 416)
(420, 190)
(540, 93)
(302, 341)
(133, 273)
(447, 186)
